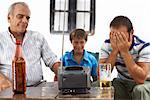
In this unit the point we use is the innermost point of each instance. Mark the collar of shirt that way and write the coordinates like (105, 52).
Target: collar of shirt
(85, 56)
(13, 38)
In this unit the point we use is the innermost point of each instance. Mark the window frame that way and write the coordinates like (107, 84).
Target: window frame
(72, 13)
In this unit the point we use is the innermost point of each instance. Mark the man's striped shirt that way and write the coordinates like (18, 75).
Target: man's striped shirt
(139, 50)
(34, 48)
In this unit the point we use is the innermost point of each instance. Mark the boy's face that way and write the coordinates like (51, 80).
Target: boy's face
(78, 45)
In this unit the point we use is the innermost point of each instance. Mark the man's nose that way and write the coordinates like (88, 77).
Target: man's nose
(25, 20)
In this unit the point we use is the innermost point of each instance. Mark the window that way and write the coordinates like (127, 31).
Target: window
(66, 15)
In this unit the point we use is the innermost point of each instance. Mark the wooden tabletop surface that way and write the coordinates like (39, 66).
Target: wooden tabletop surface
(49, 91)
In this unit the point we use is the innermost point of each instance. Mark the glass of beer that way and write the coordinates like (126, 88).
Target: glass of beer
(105, 75)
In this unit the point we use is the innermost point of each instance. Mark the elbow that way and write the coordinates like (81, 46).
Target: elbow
(141, 80)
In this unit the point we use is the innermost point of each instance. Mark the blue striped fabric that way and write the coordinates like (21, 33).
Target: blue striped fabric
(139, 50)
(34, 48)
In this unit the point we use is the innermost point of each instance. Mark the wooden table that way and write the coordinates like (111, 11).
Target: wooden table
(49, 91)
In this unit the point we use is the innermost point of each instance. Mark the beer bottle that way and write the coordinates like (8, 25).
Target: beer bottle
(19, 70)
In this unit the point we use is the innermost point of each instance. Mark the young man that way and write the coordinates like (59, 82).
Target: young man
(78, 56)
(131, 56)
(34, 46)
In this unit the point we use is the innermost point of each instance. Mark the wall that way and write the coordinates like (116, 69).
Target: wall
(137, 10)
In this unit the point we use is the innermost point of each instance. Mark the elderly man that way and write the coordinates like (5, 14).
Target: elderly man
(34, 46)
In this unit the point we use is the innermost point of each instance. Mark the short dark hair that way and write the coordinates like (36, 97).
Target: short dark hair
(78, 33)
(122, 21)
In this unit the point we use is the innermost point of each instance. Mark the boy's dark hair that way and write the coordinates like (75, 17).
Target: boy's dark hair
(78, 33)
(122, 21)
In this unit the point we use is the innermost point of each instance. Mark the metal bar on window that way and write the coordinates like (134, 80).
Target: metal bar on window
(72, 15)
(73, 11)
(52, 6)
(92, 17)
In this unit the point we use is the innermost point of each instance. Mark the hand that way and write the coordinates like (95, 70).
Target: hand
(55, 67)
(55, 78)
(113, 41)
(123, 43)
(4, 82)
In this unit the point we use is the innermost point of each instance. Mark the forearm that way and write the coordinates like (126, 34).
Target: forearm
(4, 82)
(2, 76)
(112, 59)
(55, 67)
(137, 72)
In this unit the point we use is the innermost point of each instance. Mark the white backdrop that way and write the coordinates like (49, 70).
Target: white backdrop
(137, 10)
